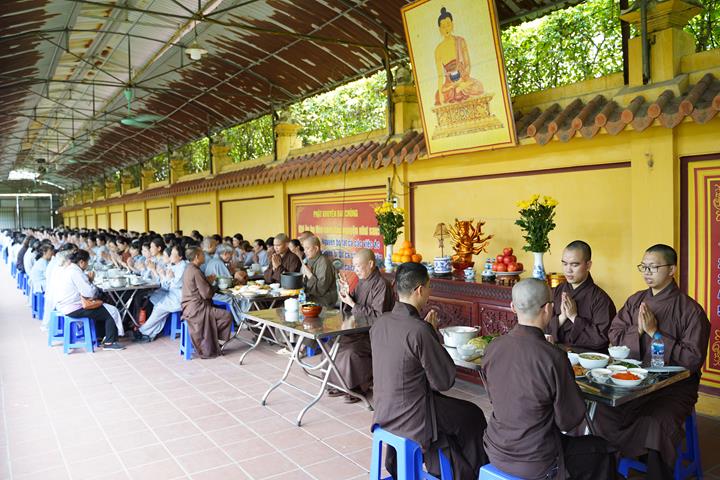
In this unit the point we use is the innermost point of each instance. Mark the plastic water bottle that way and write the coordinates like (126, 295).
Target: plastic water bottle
(301, 296)
(658, 351)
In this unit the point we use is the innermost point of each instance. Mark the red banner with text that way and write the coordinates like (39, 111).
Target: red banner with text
(343, 221)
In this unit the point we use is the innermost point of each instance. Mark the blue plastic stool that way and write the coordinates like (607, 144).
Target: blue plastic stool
(26, 286)
(690, 455)
(226, 306)
(489, 472)
(13, 269)
(312, 351)
(409, 458)
(186, 346)
(38, 305)
(20, 279)
(73, 337)
(175, 324)
(56, 328)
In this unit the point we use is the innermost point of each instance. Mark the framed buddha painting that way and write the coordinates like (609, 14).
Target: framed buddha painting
(457, 61)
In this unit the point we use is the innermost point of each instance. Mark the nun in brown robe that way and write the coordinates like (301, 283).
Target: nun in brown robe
(373, 295)
(207, 324)
(534, 395)
(411, 369)
(653, 424)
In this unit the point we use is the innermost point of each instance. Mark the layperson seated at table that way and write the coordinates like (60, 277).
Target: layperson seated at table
(534, 395)
(72, 284)
(653, 424)
(259, 253)
(20, 257)
(29, 257)
(167, 298)
(295, 246)
(372, 297)
(411, 369)
(60, 260)
(319, 275)
(220, 267)
(282, 260)
(582, 311)
(39, 268)
(207, 323)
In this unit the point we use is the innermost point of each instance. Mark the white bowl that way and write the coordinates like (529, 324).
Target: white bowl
(620, 352)
(617, 368)
(627, 383)
(640, 372)
(469, 351)
(275, 286)
(456, 336)
(601, 374)
(593, 363)
(573, 357)
(260, 282)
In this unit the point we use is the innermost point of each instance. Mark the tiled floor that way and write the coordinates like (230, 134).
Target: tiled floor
(144, 413)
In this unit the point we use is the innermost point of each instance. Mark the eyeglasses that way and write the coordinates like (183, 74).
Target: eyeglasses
(651, 268)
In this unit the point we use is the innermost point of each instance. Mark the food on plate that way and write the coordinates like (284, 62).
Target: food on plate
(625, 363)
(626, 376)
(479, 343)
(579, 371)
(289, 291)
(591, 356)
(506, 262)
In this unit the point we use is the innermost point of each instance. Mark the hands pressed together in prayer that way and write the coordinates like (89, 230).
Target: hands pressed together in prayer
(344, 292)
(241, 277)
(211, 278)
(647, 322)
(568, 309)
(276, 260)
(307, 273)
(432, 319)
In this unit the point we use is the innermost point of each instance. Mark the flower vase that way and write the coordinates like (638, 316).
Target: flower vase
(538, 267)
(388, 258)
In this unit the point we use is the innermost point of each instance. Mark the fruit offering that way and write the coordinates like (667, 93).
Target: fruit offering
(507, 262)
(406, 253)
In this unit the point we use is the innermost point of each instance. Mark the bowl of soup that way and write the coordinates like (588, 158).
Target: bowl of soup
(592, 360)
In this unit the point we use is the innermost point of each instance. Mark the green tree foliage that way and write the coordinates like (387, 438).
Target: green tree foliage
(249, 140)
(348, 110)
(160, 163)
(706, 26)
(197, 155)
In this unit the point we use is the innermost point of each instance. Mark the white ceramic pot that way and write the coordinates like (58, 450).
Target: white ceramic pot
(441, 265)
(456, 336)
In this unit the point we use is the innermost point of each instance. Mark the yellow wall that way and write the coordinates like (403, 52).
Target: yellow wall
(102, 220)
(159, 219)
(250, 217)
(200, 217)
(90, 220)
(587, 211)
(117, 220)
(135, 220)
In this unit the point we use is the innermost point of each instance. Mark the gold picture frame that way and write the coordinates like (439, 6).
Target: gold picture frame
(461, 86)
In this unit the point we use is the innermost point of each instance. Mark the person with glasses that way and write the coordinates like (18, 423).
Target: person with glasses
(411, 369)
(534, 396)
(582, 310)
(653, 425)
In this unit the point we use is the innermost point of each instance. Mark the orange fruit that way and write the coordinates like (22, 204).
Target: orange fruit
(406, 258)
(396, 258)
(417, 258)
(410, 251)
(406, 244)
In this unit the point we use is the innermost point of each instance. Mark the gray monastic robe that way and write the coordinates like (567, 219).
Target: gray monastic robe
(595, 311)
(289, 262)
(373, 296)
(532, 388)
(656, 421)
(206, 322)
(321, 288)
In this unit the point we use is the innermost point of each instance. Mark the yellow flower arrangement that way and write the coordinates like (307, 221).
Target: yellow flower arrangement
(537, 221)
(390, 220)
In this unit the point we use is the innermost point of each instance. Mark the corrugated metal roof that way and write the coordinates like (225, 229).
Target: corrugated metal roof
(66, 64)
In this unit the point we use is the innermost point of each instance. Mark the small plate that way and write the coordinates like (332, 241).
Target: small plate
(667, 369)
(507, 274)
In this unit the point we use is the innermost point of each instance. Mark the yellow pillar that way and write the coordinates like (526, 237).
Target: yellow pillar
(286, 139)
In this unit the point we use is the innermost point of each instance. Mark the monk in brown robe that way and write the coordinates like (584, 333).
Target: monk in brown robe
(411, 369)
(532, 388)
(582, 311)
(319, 274)
(207, 324)
(372, 297)
(653, 424)
(282, 260)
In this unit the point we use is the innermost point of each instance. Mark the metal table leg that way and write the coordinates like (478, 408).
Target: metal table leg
(332, 368)
(589, 416)
(292, 360)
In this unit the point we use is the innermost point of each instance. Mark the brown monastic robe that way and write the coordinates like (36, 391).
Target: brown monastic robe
(595, 311)
(655, 421)
(411, 367)
(289, 262)
(321, 288)
(373, 296)
(534, 395)
(206, 323)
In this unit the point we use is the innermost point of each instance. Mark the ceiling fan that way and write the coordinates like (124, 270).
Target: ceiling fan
(143, 120)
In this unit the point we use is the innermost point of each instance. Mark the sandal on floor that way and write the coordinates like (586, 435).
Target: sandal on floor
(334, 392)
(350, 399)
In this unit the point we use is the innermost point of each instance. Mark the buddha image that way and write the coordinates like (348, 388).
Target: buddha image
(453, 65)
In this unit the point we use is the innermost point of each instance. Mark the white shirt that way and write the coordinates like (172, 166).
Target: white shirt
(68, 284)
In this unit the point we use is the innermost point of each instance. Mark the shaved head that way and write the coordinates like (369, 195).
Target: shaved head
(529, 295)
